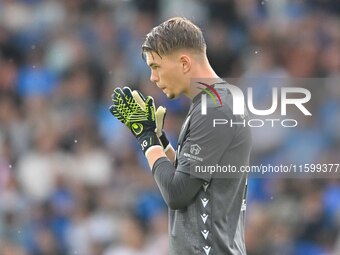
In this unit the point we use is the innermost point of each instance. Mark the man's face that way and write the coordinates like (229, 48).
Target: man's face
(166, 73)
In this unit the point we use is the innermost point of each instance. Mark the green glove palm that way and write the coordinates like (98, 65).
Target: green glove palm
(141, 121)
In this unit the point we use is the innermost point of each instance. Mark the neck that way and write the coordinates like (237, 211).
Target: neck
(201, 73)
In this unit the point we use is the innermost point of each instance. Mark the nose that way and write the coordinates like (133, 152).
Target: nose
(154, 77)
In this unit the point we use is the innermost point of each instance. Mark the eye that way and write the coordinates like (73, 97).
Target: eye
(154, 67)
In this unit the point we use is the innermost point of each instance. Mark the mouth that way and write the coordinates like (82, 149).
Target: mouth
(164, 91)
(162, 88)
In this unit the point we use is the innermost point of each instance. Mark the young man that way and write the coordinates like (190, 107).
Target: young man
(206, 212)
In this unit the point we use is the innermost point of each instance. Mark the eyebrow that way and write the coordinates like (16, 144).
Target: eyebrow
(153, 58)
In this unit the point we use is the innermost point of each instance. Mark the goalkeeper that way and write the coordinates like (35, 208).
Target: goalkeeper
(206, 214)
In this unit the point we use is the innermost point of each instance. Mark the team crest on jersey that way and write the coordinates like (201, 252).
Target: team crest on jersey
(195, 149)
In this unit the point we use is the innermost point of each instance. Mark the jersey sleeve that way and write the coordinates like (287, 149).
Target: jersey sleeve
(207, 139)
(177, 188)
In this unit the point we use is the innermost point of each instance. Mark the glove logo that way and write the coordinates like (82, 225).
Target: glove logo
(144, 144)
(137, 128)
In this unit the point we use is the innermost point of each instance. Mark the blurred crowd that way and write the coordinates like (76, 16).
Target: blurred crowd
(72, 178)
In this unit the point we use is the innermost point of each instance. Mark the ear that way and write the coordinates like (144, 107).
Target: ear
(185, 61)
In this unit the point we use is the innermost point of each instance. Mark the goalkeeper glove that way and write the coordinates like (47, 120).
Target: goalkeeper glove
(141, 121)
(159, 115)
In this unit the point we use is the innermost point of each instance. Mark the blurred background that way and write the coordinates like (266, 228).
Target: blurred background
(72, 178)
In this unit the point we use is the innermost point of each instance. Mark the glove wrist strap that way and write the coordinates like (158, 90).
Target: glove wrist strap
(148, 140)
(164, 140)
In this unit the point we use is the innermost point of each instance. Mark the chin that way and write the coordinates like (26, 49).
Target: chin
(171, 96)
